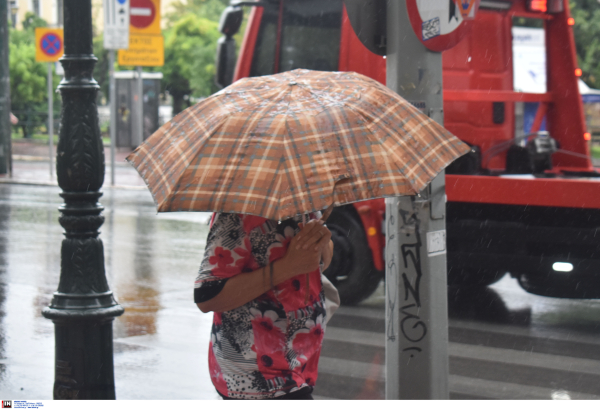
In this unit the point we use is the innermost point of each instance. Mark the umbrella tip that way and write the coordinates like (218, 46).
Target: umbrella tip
(292, 83)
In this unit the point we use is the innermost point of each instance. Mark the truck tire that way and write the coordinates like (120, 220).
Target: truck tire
(351, 270)
(472, 276)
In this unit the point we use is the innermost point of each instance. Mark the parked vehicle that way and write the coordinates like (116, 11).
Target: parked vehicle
(524, 201)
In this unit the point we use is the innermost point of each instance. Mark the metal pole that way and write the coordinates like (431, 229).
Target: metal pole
(50, 121)
(416, 297)
(5, 128)
(113, 113)
(83, 307)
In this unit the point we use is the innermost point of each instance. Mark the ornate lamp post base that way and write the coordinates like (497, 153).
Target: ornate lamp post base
(83, 308)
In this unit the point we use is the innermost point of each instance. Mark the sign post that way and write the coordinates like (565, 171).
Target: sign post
(5, 128)
(146, 49)
(416, 277)
(116, 37)
(49, 48)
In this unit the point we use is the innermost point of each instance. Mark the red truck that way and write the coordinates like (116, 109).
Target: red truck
(523, 201)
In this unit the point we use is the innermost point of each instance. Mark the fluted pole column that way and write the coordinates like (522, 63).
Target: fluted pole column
(83, 307)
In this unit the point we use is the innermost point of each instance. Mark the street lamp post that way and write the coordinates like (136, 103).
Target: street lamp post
(83, 307)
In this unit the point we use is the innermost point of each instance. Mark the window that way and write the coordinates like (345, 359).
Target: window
(36, 7)
(310, 37)
(13, 9)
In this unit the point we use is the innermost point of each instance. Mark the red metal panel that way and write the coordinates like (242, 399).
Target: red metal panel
(566, 121)
(494, 96)
(354, 56)
(371, 215)
(480, 64)
(578, 193)
(242, 68)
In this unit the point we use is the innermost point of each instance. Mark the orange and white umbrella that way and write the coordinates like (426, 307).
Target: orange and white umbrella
(293, 143)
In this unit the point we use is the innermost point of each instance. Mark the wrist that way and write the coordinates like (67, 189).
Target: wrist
(283, 269)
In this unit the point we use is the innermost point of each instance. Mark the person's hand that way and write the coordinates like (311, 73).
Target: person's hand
(315, 234)
(304, 252)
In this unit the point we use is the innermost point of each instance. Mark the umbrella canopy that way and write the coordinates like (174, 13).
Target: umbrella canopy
(292, 143)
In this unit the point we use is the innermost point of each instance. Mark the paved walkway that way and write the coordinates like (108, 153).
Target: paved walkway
(31, 165)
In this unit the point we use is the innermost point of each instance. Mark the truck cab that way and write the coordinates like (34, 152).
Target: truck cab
(525, 200)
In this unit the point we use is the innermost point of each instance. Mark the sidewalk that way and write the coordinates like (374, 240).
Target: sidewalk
(31, 165)
(160, 343)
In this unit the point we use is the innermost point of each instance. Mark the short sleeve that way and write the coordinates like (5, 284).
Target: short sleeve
(226, 255)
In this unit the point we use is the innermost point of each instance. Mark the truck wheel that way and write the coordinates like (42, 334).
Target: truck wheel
(351, 270)
(472, 277)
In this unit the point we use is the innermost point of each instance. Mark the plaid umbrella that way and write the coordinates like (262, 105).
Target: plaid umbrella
(292, 143)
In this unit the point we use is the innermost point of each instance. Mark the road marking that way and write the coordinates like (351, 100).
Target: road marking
(456, 383)
(483, 353)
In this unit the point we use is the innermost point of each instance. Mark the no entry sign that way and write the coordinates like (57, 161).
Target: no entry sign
(441, 24)
(144, 16)
(48, 44)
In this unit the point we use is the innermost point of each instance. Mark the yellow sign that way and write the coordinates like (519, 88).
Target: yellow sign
(144, 50)
(144, 17)
(49, 44)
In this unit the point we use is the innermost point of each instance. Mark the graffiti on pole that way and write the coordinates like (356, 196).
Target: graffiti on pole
(412, 327)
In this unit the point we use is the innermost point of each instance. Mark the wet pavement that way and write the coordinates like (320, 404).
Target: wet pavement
(504, 342)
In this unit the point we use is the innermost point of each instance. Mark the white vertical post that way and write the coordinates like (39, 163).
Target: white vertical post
(416, 297)
(50, 121)
(112, 95)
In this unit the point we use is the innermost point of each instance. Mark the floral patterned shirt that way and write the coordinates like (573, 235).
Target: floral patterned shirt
(271, 345)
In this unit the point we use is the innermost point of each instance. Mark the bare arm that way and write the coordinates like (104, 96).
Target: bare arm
(246, 287)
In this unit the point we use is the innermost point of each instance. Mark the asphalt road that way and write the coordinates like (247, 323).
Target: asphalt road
(504, 342)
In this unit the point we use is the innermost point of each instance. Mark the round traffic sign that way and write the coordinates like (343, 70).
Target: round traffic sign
(51, 44)
(141, 13)
(441, 24)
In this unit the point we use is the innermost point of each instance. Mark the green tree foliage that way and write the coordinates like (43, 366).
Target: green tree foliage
(587, 38)
(28, 78)
(190, 47)
(209, 9)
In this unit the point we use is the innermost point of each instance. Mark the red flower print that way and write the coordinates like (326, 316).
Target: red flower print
(307, 342)
(222, 257)
(215, 372)
(292, 293)
(270, 364)
(217, 318)
(251, 222)
(268, 334)
(243, 253)
(226, 271)
(279, 248)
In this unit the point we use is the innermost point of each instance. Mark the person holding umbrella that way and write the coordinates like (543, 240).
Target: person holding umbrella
(260, 154)
(268, 324)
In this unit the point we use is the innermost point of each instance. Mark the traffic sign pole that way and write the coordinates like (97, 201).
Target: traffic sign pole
(113, 113)
(5, 127)
(416, 297)
(50, 121)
